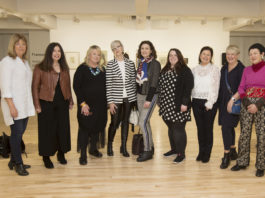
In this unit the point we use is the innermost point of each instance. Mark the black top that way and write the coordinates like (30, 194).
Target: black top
(234, 78)
(91, 89)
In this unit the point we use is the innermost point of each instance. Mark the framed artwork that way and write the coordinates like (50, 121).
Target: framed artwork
(162, 58)
(73, 59)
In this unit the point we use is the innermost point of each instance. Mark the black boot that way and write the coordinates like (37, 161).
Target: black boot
(225, 161)
(11, 165)
(47, 162)
(109, 149)
(83, 157)
(61, 158)
(238, 167)
(233, 154)
(111, 135)
(124, 136)
(146, 155)
(21, 170)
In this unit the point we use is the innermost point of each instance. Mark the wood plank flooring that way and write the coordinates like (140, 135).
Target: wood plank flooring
(119, 177)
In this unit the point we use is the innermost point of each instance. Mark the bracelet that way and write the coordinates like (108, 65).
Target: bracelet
(233, 99)
(83, 104)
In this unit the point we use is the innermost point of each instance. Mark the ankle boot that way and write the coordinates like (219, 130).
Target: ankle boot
(21, 170)
(109, 149)
(83, 157)
(233, 154)
(47, 162)
(61, 158)
(11, 165)
(225, 161)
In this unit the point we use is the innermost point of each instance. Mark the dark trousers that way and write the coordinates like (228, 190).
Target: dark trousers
(17, 131)
(122, 115)
(228, 136)
(86, 138)
(177, 136)
(204, 121)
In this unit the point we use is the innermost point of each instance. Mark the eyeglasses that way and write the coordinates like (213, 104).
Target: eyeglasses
(115, 48)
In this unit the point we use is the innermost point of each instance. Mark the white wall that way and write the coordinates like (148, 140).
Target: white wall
(188, 36)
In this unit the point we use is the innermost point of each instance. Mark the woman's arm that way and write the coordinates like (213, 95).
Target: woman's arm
(36, 88)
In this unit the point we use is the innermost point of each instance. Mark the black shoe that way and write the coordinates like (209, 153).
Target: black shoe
(12, 164)
(124, 151)
(61, 158)
(237, 167)
(83, 161)
(199, 157)
(179, 158)
(169, 153)
(259, 173)
(21, 170)
(225, 161)
(109, 149)
(153, 150)
(205, 158)
(96, 153)
(47, 162)
(146, 155)
(233, 154)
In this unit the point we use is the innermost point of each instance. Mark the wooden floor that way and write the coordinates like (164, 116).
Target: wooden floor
(119, 177)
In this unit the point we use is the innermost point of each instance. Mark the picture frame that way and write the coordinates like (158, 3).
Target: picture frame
(73, 59)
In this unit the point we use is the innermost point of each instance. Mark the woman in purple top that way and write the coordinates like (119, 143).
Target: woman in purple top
(252, 93)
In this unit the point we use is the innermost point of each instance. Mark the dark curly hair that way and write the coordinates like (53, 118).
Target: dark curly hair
(153, 53)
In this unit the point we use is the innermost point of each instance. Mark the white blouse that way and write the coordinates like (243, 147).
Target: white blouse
(15, 83)
(122, 69)
(206, 83)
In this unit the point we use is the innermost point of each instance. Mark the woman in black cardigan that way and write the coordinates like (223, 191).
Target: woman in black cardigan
(175, 84)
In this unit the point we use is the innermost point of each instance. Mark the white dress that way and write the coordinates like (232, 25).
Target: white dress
(15, 83)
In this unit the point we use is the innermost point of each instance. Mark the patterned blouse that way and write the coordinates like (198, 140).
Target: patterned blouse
(167, 86)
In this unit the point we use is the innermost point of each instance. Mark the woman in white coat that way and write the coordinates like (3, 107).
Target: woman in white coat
(16, 101)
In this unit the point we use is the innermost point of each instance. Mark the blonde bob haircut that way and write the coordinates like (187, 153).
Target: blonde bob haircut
(11, 46)
(233, 49)
(102, 61)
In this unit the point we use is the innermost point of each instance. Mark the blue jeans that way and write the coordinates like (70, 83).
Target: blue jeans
(17, 131)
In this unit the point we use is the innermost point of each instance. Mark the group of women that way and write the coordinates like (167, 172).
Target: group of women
(119, 86)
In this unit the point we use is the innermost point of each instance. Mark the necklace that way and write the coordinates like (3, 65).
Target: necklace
(94, 72)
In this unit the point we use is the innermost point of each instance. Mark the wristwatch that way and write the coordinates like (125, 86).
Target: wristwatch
(233, 99)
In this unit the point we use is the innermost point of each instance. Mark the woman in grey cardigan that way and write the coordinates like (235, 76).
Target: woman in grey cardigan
(121, 93)
(147, 83)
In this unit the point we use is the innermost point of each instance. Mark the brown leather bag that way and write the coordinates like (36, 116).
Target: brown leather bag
(137, 144)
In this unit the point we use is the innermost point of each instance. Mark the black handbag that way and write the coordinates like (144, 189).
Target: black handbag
(137, 144)
(237, 104)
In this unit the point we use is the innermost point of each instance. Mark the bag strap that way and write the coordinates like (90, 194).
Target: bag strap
(226, 82)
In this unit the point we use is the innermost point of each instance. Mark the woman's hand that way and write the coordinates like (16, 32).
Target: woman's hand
(230, 105)
(252, 108)
(183, 108)
(13, 111)
(85, 110)
(147, 104)
(38, 109)
(112, 108)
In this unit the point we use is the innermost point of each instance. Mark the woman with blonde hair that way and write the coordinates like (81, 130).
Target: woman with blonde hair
(121, 93)
(90, 90)
(16, 98)
(231, 74)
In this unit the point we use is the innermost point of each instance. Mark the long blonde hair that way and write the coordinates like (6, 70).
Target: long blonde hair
(102, 61)
(11, 46)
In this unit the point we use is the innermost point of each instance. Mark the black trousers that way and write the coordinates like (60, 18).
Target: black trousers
(17, 131)
(229, 136)
(54, 127)
(177, 136)
(121, 116)
(204, 121)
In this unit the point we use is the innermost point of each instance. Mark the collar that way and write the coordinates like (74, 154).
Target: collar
(258, 66)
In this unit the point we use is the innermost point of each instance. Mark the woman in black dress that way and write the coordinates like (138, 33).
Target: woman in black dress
(90, 90)
(175, 84)
(51, 89)
(234, 70)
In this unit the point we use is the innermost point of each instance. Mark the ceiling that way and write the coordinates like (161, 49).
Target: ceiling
(237, 15)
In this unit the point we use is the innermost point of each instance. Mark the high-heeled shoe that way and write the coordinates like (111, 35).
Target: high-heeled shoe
(124, 151)
(225, 161)
(11, 165)
(21, 170)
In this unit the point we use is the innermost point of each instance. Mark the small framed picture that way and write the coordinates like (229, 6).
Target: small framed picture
(73, 59)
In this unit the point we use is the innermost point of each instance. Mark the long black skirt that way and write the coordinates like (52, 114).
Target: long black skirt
(54, 127)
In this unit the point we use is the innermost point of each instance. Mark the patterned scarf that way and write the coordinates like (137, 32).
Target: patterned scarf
(142, 70)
